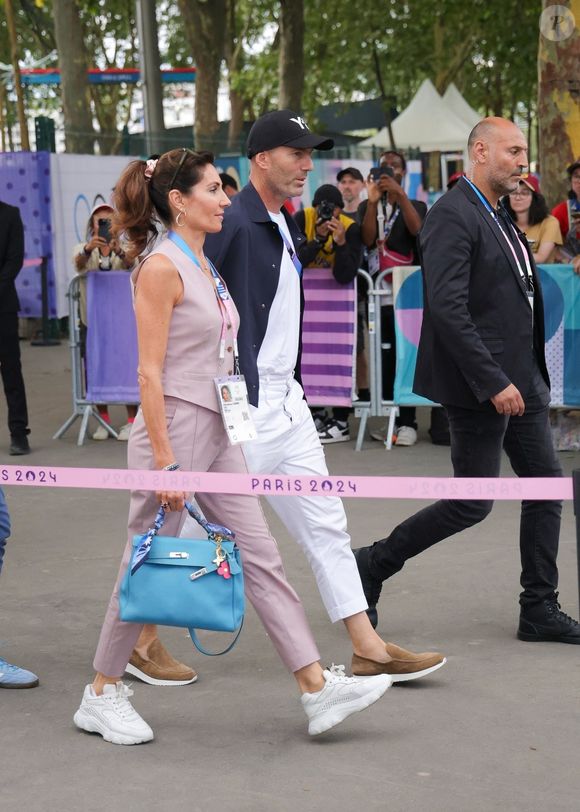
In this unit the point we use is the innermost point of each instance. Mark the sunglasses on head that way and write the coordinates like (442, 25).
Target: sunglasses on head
(185, 153)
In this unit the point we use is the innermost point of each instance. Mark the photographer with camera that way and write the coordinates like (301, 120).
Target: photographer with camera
(332, 241)
(567, 213)
(100, 252)
(390, 222)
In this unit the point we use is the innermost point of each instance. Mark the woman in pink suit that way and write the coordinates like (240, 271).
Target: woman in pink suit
(187, 326)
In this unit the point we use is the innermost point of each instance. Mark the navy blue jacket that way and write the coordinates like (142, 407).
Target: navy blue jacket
(248, 252)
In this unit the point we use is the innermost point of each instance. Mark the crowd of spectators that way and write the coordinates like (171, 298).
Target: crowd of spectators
(342, 232)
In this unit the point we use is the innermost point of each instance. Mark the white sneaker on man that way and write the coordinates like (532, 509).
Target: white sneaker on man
(341, 697)
(406, 435)
(101, 433)
(112, 716)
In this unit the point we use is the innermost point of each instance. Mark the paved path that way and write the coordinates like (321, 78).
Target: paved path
(496, 729)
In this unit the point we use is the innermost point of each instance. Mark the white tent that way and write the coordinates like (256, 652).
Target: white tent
(428, 123)
(455, 101)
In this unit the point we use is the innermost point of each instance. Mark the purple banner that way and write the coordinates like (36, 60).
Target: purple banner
(328, 339)
(111, 339)
(25, 183)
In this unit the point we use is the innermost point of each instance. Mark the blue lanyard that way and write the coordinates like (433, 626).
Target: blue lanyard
(224, 300)
(527, 277)
(484, 200)
(180, 243)
(293, 256)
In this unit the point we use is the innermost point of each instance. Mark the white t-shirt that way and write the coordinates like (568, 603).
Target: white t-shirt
(279, 349)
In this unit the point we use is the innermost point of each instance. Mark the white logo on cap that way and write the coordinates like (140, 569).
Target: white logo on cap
(301, 123)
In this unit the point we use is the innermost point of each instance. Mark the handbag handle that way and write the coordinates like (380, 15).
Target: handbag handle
(200, 648)
(216, 533)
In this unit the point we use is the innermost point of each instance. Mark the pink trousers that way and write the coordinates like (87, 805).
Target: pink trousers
(199, 442)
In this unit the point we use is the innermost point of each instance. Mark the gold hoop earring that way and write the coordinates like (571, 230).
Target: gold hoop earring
(180, 214)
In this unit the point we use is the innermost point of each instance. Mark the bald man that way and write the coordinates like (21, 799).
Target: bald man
(481, 354)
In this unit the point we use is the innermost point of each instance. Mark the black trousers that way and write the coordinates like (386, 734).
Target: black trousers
(11, 371)
(477, 439)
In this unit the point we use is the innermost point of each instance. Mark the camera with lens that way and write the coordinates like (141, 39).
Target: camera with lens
(326, 210)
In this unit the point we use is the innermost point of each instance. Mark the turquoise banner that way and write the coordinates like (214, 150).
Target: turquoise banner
(561, 289)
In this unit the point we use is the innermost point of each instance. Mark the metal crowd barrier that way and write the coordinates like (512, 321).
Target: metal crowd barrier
(82, 408)
(378, 406)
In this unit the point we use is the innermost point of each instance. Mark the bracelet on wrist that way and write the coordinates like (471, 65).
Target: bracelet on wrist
(174, 466)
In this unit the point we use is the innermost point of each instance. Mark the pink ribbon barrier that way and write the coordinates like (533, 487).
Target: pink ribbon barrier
(362, 487)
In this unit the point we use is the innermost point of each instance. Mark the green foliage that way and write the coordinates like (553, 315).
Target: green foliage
(476, 45)
(352, 50)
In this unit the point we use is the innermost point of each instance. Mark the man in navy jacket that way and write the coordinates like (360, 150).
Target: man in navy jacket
(256, 253)
(481, 354)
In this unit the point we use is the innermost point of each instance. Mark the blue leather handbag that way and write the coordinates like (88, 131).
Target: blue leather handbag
(190, 583)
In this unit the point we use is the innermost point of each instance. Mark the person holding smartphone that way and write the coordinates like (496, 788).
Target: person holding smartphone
(403, 218)
(100, 252)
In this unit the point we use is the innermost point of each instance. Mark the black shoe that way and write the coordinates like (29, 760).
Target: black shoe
(547, 623)
(19, 445)
(371, 586)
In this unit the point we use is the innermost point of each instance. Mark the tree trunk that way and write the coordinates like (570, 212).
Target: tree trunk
(236, 121)
(2, 119)
(233, 49)
(558, 107)
(69, 35)
(386, 101)
(291, 58)
(10, 24)
(205, 29)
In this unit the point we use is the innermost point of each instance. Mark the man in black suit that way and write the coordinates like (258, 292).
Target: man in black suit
(481, 354)
(11, 258)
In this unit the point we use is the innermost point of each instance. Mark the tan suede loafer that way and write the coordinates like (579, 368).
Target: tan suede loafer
(159, 667)
(403, 666)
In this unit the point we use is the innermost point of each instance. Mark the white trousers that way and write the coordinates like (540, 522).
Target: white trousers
(288, 444)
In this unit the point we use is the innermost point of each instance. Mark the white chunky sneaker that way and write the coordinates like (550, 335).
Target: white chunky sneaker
(112, 715)
(340, 697)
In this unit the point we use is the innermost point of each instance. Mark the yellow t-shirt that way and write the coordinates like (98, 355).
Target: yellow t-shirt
(546, 231)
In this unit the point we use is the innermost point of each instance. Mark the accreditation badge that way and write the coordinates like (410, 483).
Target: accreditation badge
(232, 395)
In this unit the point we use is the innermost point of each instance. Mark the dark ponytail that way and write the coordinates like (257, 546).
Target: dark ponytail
(141, 202)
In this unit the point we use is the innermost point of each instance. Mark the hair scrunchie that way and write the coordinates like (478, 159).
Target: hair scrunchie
(150, 168)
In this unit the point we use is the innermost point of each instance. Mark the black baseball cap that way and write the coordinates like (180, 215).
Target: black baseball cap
(573, 167)
(283, 128)
(350, 170)
(330, 193)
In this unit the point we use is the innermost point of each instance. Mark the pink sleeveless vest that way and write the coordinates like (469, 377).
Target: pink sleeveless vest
(192, 358)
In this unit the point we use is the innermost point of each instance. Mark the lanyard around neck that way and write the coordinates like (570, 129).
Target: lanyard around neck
(390, 222)
(527, 276)
(290, 248)
(223, 297)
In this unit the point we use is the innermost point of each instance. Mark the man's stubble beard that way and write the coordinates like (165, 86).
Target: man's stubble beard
(503, 186)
